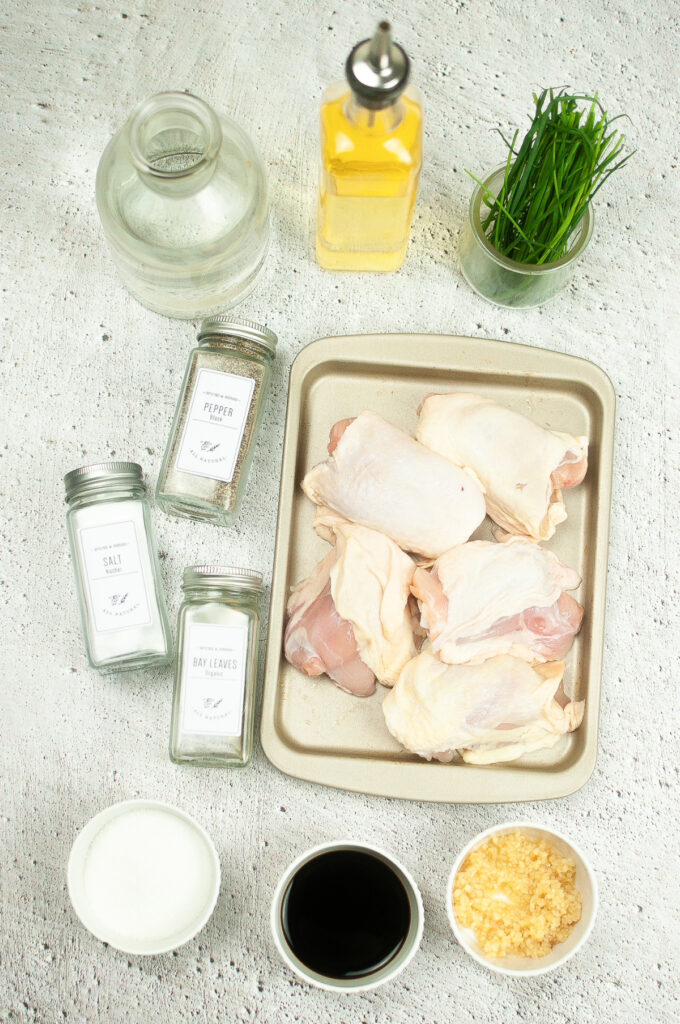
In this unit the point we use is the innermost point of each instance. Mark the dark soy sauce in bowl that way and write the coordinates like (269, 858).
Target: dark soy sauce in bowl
(345, 914)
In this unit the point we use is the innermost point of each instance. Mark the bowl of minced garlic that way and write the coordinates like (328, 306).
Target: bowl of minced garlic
(521, 899)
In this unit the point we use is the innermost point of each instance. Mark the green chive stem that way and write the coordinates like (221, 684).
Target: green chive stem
(563, 161)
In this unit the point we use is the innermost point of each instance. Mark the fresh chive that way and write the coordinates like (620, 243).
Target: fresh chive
(563, 161)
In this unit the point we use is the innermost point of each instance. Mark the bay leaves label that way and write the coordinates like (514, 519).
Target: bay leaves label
(214, 671)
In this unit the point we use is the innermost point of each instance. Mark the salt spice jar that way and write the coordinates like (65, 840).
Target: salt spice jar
(216, 422)
(121, 599)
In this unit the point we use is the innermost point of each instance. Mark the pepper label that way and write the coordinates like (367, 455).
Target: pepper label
(214, 426)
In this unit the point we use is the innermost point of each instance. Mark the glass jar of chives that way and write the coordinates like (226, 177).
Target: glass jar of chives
(505, 281)
(216, 666)
(117, 575)
(217, 418)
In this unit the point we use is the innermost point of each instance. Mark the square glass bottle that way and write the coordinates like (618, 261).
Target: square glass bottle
(371, 156)
(216, 666)
(217, 419)
(122, 606)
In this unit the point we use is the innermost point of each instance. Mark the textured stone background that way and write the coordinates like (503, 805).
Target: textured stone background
(89, 374)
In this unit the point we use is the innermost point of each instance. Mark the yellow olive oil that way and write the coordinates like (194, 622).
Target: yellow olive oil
(371, 154)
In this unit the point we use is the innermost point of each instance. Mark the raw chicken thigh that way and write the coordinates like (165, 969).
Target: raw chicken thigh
(482, 599)
(492, 712)
(523, 467)
(351, 618)
(380, 477)
(318, 641)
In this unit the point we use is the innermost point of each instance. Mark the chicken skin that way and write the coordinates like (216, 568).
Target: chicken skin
(351, 619)
(379, 477)
(522, 467)
(483, 599)
(489, 713)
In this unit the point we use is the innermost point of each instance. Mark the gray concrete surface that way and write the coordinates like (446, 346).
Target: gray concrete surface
(89, 374)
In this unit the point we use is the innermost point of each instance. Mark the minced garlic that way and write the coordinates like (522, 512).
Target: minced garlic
(518, 896)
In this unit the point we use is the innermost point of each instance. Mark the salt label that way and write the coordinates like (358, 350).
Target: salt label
(215, 423)
(214, 679)
(115, 580)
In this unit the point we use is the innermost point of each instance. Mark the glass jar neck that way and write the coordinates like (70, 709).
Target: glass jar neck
(96, 493)
(232, 595)
(378, 122)
(240, 346)
(174, 139)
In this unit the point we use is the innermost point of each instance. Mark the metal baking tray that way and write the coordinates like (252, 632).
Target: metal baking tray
(313, 730)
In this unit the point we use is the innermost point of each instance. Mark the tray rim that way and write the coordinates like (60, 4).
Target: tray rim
(403, 779)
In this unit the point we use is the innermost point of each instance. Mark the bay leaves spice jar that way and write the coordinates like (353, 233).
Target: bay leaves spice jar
(216, 666)
(216, 422)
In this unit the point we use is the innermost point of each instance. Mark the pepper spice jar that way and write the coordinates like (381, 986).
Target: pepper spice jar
(216, 667)
(216, 422)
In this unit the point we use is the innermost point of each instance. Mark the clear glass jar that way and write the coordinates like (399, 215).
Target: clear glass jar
(216, 667)
(182, 196)
(504, 281)
(218, 415)
(122, 607)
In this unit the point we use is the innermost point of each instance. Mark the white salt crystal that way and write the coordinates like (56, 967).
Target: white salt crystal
(148, 876)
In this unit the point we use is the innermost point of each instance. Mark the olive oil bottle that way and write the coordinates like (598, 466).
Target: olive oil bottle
(371, 154)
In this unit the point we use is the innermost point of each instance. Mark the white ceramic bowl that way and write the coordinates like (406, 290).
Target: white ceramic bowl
(143, 876)
(377, 978)
(519, 966)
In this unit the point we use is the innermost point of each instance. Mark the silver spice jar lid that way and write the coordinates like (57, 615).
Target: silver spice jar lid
(127, 474)
(222, 576)
(228, 327)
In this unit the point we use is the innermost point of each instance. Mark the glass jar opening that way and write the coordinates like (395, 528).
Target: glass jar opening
(172, 135)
